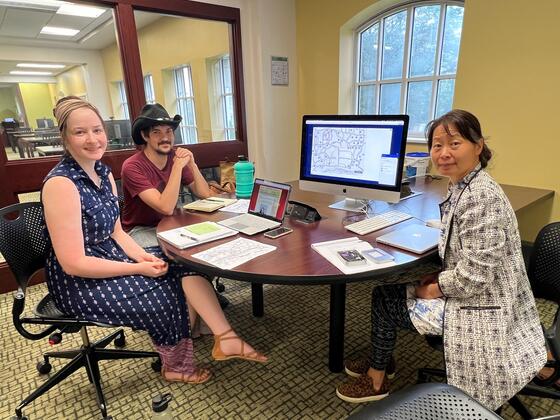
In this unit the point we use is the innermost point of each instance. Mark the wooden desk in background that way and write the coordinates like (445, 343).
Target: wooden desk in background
(295, 262)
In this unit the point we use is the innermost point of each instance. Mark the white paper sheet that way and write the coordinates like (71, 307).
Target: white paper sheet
(240, 206)
(329, 250)
(234, 253)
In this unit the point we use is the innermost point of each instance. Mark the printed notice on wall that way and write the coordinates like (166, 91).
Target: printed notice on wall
(279, 70)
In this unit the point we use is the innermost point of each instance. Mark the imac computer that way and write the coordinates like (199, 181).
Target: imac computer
(357, 156)
(118, 129)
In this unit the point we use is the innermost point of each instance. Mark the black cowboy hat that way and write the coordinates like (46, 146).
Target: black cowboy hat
(151, 115)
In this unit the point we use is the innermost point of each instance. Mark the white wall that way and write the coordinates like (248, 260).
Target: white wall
(94, 77)
(268, 28)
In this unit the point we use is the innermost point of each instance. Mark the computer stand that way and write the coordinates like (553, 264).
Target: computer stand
(350, 204)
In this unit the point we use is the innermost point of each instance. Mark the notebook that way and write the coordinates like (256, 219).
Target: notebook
(414, 238)
(209, 204)
(196, 234)
(267, 206)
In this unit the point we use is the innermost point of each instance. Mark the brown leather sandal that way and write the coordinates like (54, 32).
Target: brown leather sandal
(199, 376)
(219, 355)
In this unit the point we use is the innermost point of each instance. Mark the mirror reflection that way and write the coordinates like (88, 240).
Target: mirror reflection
(49, 51)
(192, 77)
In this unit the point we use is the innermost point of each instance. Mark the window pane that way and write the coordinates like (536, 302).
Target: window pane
(226, 75)
(451, 39)
(444, 102)
(418, 105)
(390, 99)
(366, 100)
(230, 121)
(424, 40)
(393, 45)
(368, 53)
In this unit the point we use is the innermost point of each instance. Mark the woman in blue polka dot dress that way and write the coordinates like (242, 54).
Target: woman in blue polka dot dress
(94, 269)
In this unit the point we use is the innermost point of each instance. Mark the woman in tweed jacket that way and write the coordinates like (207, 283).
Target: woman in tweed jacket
(481, 301)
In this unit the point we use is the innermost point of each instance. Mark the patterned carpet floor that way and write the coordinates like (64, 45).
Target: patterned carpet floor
(296, 383)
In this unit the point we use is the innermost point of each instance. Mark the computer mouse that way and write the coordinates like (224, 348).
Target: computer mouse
(434, 223)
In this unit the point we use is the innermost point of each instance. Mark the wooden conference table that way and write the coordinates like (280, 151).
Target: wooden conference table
(294, 262)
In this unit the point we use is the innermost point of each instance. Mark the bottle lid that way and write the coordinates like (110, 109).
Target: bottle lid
(242, 157)
(161, 402)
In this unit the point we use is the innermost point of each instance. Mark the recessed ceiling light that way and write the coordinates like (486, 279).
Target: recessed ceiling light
(79, 10)
(53, 30)
(41, 66)
(31, 73)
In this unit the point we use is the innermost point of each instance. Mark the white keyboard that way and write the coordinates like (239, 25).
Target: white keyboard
(377, 222)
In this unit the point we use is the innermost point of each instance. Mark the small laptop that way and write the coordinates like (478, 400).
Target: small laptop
(267, 206)
(414, 238)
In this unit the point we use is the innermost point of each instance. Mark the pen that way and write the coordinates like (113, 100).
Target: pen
(217, 200)
(184, 235)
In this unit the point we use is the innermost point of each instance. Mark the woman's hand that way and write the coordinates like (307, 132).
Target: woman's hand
(145, 256)
(152, 268)
(428, 291)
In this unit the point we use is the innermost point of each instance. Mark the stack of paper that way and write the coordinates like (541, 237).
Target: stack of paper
(329, 250)
(209, 204)
(234, 253)
(199, 233)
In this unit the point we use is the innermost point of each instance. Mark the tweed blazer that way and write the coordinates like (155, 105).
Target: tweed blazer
(493, 340)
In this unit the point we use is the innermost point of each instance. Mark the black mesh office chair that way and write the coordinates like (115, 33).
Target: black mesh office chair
(544, 274)
(431, 401)
(24, 247)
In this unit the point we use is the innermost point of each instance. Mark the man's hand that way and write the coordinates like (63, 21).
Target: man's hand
(183, 157)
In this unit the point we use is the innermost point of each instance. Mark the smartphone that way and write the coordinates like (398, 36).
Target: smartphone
(351, 257)
(377, 255)
(279, 231)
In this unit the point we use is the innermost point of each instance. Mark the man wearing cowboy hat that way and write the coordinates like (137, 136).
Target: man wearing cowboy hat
(153, 176)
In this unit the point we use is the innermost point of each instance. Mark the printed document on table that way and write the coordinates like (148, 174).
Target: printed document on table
(234, 253)
(329, 250)
(240, 206)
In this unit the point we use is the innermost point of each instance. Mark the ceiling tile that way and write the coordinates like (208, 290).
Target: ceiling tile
(24, 23)
(74, 22)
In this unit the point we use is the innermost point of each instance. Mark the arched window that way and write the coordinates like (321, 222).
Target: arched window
(407, 60)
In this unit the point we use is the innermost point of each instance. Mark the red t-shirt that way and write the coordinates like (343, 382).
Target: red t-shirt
(139, 174)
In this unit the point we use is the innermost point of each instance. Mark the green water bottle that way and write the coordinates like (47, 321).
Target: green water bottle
(244, 177)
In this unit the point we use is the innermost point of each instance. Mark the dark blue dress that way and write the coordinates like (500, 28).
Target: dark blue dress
(156, 305)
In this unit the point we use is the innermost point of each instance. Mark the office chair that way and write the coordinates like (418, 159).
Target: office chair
(431, 401)
(544, 275)
(24, 246)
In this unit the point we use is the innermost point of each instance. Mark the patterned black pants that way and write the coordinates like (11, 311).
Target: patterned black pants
(388, 312)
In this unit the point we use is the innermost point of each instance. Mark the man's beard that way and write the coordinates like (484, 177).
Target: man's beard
(161, 152)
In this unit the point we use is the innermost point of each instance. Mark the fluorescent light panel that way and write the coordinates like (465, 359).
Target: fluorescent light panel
(31, 73)
(79, 10)
(53, 30)
(41, 66)
(39, 4)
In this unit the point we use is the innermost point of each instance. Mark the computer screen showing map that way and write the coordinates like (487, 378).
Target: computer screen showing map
(359, 156)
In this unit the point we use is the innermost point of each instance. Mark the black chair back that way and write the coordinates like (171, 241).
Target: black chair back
(22, 240)
(544, 265)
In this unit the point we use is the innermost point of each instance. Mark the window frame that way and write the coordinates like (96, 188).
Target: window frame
(405, 79)
(123, 101)
(221, 74)
(189, 133)
(149, 92)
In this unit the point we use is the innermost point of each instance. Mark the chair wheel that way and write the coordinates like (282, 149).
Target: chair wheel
(44, 367)
(156, 365)
(120, 341)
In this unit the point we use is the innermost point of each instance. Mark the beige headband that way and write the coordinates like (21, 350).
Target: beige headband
(65, 106)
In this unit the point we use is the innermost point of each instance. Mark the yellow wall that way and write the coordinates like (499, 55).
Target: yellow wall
(37, 101)
(507, 75)
(160, 52)
(8, 108)
(71, 82)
